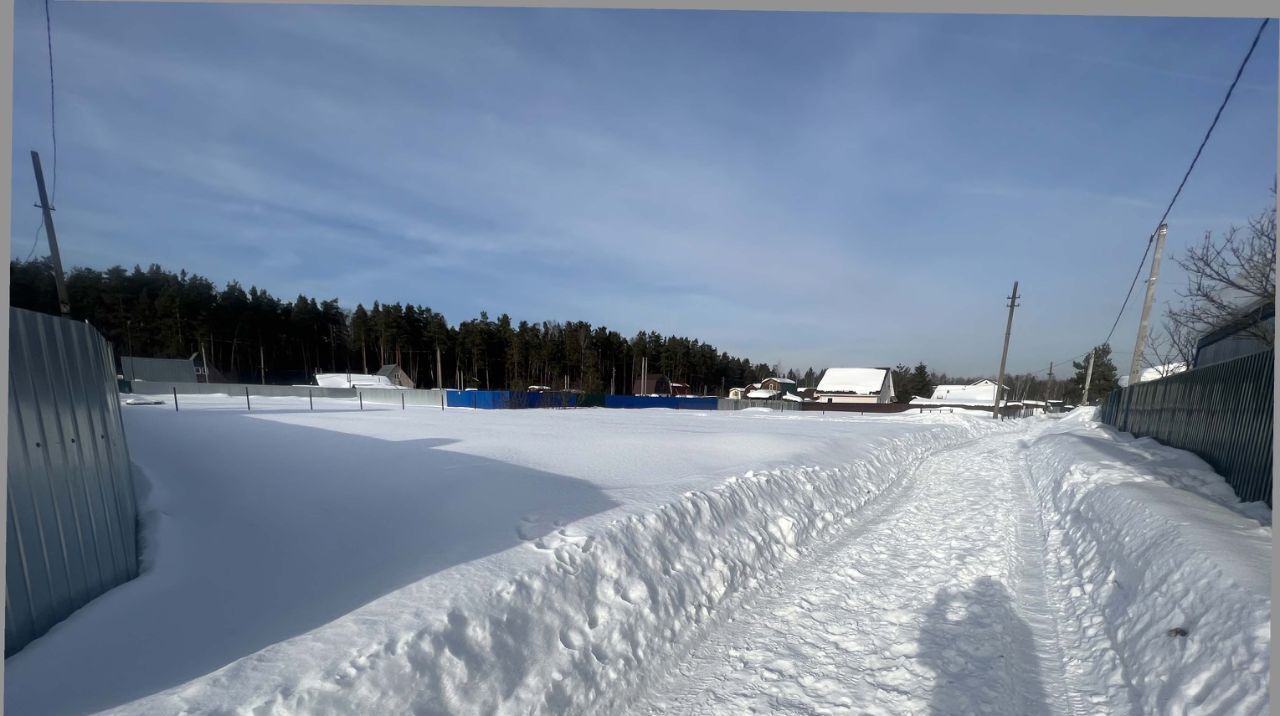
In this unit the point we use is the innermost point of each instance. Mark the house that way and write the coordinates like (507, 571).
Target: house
(1244, 336)
(169, 370)
(396, 375)
(679, 389)
(652, 384)
(736, 393)
(855, 385)
(782, 385)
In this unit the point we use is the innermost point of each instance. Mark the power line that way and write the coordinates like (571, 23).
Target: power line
(53, 119)
(36, 241)
(1217, 115)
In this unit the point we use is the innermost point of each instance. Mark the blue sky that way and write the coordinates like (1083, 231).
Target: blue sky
(814, 189)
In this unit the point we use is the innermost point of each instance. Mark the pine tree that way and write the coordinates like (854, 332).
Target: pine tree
(920, 383)
(1104, 376)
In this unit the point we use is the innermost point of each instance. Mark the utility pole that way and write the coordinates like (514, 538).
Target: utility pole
(1136, 363)
(262, 361)
(54, 256)
(439, 370)
(1088, 376)
(1004, 354)
(1048, 387)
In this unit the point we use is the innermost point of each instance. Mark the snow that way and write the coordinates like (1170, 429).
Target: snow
(614, 562)
(388, 560)
(852, 380)
(1140, 556)
(763, 394)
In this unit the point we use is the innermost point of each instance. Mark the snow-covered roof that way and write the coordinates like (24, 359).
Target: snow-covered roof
(762, 394)
(792, 397)
(864, 381)
(783, 380)
(353, 380)
(1155, 373)
(984, 391)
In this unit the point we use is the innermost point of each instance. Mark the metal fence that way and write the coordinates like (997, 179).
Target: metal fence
(1222, 412)
(72, 531)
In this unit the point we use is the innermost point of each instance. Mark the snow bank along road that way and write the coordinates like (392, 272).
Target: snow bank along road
(652, 562)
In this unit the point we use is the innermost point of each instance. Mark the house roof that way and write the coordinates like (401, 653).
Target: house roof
(1256, 312)
(1154, 373)
(388, 369)
(865, 381)
(762, 394)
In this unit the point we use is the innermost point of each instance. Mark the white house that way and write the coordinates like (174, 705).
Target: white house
(855, 385)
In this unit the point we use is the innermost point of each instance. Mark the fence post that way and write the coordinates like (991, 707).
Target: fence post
(175, 400)
(402, 401)
(360, 395)
(246, 399)
(442, 391)
(310, 401)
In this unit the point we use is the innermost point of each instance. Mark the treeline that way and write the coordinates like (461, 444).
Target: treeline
(252, 336)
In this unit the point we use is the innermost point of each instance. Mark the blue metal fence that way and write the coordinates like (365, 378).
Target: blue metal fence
(1222, 412)
(660, 401)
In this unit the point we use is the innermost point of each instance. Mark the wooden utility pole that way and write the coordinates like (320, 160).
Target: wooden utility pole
(1135, 365)
(1004, 353)
(439, 370)
(262, 361)
(1088, 377)
(1048, 387)
(64, 304)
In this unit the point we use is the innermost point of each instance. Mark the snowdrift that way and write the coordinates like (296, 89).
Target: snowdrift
(583, 633)
(1166, 579)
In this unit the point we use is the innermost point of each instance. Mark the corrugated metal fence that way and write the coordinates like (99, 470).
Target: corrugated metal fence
(1220, 412)
(71, 506)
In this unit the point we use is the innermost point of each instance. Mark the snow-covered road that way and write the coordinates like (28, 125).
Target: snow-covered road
(934, 603)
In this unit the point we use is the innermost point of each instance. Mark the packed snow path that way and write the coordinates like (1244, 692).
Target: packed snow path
(934, 603)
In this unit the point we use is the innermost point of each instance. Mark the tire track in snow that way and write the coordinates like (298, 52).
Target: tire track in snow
(931, 606)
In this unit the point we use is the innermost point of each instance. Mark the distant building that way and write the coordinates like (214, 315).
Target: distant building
(679, 389)
(168, 370)
(736, 393)
(652, 384)
(396, 375)
(782, 385)
(1238, 338)
(855, 385)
